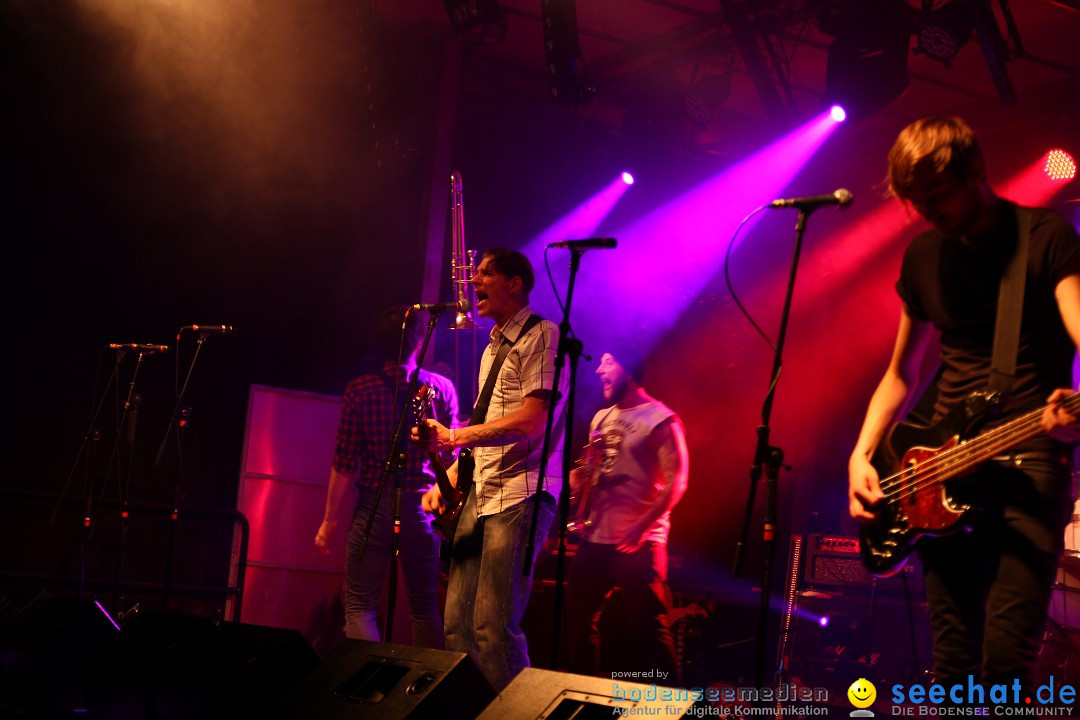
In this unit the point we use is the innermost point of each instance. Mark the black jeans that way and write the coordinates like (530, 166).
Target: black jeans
(989, 589)
(640, 640)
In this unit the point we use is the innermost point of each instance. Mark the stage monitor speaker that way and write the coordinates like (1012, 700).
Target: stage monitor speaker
(174, 666)
(536, 694)
(54, 655)
(362, 679)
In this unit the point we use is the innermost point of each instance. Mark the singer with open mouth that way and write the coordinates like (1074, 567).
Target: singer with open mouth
(499, 471)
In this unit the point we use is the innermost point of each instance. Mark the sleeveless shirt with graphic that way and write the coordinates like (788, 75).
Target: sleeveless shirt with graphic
(630, 475)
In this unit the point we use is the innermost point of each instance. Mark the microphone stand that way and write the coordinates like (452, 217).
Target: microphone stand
(768, 459)
(89, 443)
(395, 465)
(179, 418)
(129, 419)
(571, 347)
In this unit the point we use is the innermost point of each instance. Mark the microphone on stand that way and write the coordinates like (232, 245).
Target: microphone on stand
(588, 244)
(144, 348)
(841, 198)
(214, 329)
(461, 306)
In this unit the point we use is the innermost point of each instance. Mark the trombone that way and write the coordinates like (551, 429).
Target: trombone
(462, 260)
(462, 263)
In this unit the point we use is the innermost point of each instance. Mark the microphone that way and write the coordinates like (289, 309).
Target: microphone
(462, 306)
(589, 244)
(215, 329)
(145, 348)
(841, 198)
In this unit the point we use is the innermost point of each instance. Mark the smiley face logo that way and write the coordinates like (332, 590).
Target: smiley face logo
(862, 693)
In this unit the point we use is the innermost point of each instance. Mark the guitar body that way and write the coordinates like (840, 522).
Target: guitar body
(445, 524)
(916, 461)
(454, 497)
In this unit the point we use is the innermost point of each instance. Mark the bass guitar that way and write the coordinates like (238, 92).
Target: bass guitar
(445, 523)
(915, 462)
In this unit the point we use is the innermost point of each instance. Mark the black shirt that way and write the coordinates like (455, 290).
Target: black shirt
(954, 285)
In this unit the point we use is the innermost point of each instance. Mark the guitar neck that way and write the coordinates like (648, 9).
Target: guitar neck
(983, 447)
(441, 476)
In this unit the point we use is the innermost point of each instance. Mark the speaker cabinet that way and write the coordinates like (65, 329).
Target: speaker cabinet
(842, 635)
(833, 562)
(361, 679)
(537, 694)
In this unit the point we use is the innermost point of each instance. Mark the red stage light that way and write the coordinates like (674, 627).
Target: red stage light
(1060, 165)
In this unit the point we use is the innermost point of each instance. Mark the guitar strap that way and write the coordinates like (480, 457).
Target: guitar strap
(479, 414)
(1010, 309)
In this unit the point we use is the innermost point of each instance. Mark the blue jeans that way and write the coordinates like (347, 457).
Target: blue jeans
(419, 548)
(487, 593)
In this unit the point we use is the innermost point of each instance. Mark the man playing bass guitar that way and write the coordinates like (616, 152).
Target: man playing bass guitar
(988, 589)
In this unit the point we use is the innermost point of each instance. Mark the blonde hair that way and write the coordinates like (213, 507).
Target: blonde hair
(948, 144)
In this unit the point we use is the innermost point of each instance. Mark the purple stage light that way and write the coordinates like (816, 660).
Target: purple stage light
(669, 254)
(837, 113)
(583, 220)
(823, 621)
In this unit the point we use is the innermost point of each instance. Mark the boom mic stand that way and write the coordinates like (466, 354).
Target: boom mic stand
(768, 459)
(179, 419)
(89, 443)
(395, 465)
(128, 421)
(572, 347)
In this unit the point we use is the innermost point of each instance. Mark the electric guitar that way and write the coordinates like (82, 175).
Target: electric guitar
(445, 523)
(915, 462)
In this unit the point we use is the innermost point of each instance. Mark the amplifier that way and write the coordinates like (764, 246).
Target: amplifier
(833, 561)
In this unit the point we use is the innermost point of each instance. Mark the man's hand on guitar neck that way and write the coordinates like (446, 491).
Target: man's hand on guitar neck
(434, 436)
(1059, 422)
(863, 489)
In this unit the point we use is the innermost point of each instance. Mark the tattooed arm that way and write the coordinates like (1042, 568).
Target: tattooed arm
(527, 421)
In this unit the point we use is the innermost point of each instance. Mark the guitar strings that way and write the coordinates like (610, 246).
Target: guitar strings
(943, 466)
(1002, 432)
(926, 473)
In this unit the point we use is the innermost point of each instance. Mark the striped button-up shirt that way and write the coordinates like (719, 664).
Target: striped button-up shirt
(507, 475)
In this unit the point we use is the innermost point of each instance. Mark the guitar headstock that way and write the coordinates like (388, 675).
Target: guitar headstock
(421, 403)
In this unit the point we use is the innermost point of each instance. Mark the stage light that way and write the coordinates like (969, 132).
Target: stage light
(567, 73)
(1060, 165)
(627, 178)
(944, 31)
(837, 113)
(482, 22)
(705, 98)
(823, 621)
(866, 63)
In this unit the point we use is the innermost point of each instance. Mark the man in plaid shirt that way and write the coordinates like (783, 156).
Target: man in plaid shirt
(369, 414)
(487, 594)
